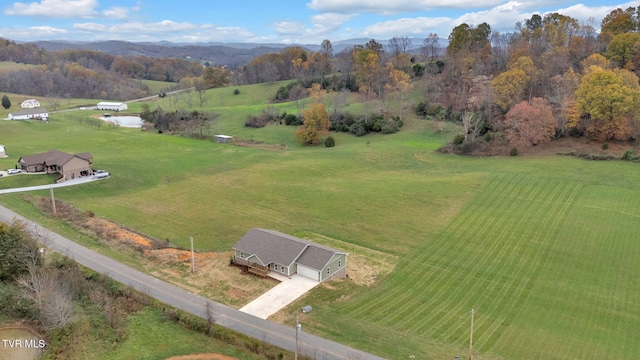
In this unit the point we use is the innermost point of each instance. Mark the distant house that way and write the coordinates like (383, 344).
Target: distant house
(111, 106)
(268, 250)
(3, 153)
(30, 104)
(69, 166)
(35, 113)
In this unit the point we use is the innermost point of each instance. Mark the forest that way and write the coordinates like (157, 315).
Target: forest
(553, 76)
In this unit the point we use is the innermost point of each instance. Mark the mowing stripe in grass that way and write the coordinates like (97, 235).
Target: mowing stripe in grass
(502, 240)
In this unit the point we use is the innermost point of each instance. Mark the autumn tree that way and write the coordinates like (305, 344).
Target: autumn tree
(316, 124)
(606, 104)
(623, 48)
(216, 77)
(16, 245)
(509, 87)
(398, 84)
(530, 123)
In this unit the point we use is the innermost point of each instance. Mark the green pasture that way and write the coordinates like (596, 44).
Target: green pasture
(543, 248)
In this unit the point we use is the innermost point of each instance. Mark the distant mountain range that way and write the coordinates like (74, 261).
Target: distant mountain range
(230, 54)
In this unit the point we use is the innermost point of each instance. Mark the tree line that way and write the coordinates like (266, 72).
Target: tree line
(553, 76)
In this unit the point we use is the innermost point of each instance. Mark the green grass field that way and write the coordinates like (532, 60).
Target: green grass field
(543, 248)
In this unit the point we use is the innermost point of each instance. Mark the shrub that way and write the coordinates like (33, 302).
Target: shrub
(330, 142)
(458, 139)
(605, 146)
(236, 92)
(422, 109)
(513, 151)
(628, 155)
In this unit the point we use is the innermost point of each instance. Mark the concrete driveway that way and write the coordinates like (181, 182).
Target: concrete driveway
(280, 296)
(71, 182)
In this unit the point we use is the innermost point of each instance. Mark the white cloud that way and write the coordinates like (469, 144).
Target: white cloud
(162, 30)
(328, 22)
(394, 6)
(288, 27)
(35, 33)
(407, 27)
(116, 13)
(55, 8)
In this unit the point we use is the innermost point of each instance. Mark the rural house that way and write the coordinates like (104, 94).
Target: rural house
(30, 104)
(53, 161)
(35, 113)
(111, 106)
(268, 250)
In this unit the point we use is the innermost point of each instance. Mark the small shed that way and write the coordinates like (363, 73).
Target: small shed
(223, 139)
(3, 154)
(111, 106)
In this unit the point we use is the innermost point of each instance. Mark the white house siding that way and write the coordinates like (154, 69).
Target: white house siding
(18, 116)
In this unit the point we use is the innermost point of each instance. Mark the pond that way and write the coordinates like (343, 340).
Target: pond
(18, 343)
(124, 121)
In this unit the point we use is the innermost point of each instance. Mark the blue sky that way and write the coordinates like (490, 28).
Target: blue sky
(281, 21)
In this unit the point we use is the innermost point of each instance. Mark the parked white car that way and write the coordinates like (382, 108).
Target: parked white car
(100, 174)
(13, 171)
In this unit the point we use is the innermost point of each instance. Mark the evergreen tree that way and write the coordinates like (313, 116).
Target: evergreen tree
(6, 103)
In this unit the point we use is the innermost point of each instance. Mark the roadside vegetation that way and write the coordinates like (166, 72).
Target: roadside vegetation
(543, 247)
(80, 314)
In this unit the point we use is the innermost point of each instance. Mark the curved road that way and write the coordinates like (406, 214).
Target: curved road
(276, 334)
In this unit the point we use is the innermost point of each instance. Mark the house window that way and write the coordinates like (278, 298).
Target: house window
(282, 269)
(242, 255)
(328, 270)
(339, 263)
(275, 267)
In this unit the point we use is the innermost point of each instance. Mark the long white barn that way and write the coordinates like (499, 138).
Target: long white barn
(111, 106)
(36, 113)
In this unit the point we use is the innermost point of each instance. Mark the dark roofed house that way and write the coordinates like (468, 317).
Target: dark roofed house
(69, 166)
(288, 255)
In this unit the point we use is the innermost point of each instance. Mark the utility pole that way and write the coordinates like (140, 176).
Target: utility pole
(298, 326)
(53, 203)
(193, 258)
(471, 337)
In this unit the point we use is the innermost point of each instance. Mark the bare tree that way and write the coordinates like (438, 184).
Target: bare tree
(472, 125)
(430, 47)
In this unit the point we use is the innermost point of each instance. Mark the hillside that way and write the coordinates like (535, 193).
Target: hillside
(541, 246)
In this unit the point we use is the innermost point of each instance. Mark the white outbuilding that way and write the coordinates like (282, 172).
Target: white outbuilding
(30, 104)
(111, 106)
(3, 153)
(35, 113)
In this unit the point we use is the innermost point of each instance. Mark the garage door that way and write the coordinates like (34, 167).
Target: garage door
(308, 272)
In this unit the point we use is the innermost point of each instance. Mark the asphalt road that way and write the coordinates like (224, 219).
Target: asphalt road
(276, 334)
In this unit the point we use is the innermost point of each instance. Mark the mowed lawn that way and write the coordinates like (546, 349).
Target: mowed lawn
(543, 248)
(548, 265)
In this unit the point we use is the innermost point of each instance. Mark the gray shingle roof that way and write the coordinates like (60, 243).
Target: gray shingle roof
(29, 111)
(275, 247)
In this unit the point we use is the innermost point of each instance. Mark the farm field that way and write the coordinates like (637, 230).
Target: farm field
(542, 247)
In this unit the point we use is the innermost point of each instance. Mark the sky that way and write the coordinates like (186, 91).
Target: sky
(280, 21)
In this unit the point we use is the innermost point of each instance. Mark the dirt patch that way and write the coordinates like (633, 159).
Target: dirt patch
(214, 278)
(202, 357)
